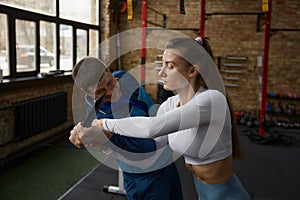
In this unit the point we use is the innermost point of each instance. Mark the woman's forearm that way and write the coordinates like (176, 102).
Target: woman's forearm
(198, 111)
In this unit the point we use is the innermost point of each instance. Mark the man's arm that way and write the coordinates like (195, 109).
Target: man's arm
(140, 102)
(135, 145)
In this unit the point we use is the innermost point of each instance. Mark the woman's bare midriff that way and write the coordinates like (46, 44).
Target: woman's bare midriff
(213, 173)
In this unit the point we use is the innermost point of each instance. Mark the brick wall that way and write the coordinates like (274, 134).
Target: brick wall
(7, 144)
(236, 35)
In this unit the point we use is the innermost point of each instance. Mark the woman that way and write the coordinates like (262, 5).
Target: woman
(197, 121)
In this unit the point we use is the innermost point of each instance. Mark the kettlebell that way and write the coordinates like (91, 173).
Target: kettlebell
(251, 119)
(237, 115)
(256, 121)
(249, 123)
(269, 108)
(291, 109)
(279, 108)
(269, 122)
(244, 118)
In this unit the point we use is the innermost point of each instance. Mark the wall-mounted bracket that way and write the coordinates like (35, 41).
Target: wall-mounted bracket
(260, 16)
(276, 30)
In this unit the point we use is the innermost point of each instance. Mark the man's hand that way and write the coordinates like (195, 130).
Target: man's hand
(75, 139)
(91, 137)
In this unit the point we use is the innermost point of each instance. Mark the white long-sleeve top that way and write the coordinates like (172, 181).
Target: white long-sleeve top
(200, 129)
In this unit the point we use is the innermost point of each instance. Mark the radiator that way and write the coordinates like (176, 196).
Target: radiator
(39, 114)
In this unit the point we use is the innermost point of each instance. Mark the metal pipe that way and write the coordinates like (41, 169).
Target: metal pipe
(143, 50)
(263, 103)
(202, 19)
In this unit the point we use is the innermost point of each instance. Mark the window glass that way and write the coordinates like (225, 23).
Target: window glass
(25, 45)
(40, 6)
(55, 47)
(48, 46)
(93, 42)
(4, 45)
(82, 11)
(81, 44)
(66, 47)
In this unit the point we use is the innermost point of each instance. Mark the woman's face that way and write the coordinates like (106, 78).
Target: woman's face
(175, 71)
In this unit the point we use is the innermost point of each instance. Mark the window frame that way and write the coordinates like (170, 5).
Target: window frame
(13, 14)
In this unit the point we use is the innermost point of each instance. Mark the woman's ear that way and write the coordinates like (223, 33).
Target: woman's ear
(194, 70)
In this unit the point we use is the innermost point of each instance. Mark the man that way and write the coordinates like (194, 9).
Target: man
(121, 96)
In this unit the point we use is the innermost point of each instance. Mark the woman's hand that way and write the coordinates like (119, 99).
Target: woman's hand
(99, 122)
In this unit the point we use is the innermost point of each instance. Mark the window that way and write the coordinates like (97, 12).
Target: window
(40, 6)
(94, 42)
(4, 45)
(66, 47)
(41, 39)
(83, 11)
(25, 45)
(82, 45)
(47, 46)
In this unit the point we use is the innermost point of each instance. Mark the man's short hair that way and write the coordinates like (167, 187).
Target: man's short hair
(88, 71)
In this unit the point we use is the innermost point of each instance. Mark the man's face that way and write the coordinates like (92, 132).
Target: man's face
(109, 87)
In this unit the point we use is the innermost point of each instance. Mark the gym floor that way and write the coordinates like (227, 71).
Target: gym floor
(57, 170)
